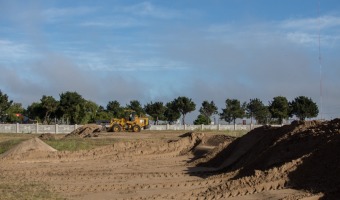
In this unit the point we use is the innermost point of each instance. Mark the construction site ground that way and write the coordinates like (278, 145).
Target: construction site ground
(298, 161)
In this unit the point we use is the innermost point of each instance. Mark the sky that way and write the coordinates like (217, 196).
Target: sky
(158, 50)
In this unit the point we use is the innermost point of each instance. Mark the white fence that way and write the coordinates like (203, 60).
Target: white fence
(38, 128)
(217, 127)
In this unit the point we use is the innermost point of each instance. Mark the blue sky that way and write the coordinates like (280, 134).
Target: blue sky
(159, 50)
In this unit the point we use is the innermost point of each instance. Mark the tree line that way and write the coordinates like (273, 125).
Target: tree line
(72, 108)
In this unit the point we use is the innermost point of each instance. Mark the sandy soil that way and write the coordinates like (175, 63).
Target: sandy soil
(267, 163)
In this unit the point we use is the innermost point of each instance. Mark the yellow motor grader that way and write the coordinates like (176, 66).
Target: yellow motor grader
(130, 123)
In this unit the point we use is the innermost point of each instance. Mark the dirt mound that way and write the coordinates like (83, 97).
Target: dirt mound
(314, 144)
(215, 140)
(47, 136)
(29, 146)
(89, 130)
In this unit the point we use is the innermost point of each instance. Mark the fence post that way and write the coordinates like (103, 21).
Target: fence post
(167, 127)
(202, 127)
(56, 128)
(37, 128)
(17, 128)
(185, 127)
(219, 127)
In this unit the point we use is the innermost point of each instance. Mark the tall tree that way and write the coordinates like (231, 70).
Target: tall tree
(49, 106)
(155, 110)
(91, 109)
(233, 111)
(256, 109)
(171, 113)
(72, 106)
(184, 105)
(137, 107)
(35, 112)
(303, 107)
(207, 110)
(279, 108)
(263, 116)
(115, 108)
(15, 113)
(4, 105)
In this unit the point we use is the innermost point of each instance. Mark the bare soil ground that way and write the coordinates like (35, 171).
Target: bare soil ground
(298, 161)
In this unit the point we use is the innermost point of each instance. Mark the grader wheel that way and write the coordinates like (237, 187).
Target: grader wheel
(136, 128)
(116, 128)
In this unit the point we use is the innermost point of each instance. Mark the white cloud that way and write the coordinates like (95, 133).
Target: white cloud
(12, 52)
(58, 14)
(308, 24)
(303, 38)
(151, 10)
(118, 22)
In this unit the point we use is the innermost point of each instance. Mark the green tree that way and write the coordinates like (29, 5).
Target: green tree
(256, 109)
(263, 115)
(115, 108)
(35, 111)
(155, 110)
(171, 113)
(303, 107)
(279, 108)
(15, 113)
(233, 111)
(72, 107)
(207, 110)
(184, 105)
(103, 114)
(137, 107)
(91, 109)
(4, 105)
(49, 106)
(202, 119)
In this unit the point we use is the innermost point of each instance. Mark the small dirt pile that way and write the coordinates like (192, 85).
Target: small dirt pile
(89, 130)
(27, 147)
(315, 145)
(47, 136)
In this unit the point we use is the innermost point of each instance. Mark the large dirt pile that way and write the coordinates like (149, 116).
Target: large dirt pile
(311, 148)
(89, 130)
(21, 150)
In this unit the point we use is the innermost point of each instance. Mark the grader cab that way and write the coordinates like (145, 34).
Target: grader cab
(131, 122)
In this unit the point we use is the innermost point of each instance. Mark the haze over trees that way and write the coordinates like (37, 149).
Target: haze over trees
(74, 109)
